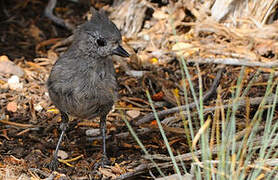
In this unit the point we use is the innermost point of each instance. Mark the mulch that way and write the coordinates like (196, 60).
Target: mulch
(29, 123)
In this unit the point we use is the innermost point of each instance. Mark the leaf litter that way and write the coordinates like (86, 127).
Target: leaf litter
(156, 34)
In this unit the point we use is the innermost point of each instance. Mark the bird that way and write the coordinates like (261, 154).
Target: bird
(82, 82)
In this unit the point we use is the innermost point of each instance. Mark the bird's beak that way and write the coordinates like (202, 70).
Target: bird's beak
(120, 51)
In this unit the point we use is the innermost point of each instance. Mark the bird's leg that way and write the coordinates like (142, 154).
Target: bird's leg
(103, 135)
(64, 125)
(104, 160)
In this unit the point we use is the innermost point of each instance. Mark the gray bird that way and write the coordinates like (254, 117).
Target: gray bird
(82, 82)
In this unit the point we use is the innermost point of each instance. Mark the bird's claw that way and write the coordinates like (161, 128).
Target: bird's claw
(103, 162)
(53, 165)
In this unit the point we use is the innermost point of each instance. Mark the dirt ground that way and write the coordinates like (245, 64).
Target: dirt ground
(29, 127)
(31, 142)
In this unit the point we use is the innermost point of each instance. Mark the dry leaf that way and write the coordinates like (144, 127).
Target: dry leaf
(154, 123)
(107, 173)
(133, 113)
(117, 169)
(158, 96)
(184, 49)
(62, 154)
(181, 46)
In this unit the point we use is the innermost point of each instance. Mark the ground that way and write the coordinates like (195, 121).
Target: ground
(30, 123)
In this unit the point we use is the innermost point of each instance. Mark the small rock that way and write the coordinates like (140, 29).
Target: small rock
(8, 67)
(12, 106)
(133, 113)
(135, 73)
(38, 107)
(92, 132)
(146, 37)
(14, 83)
(62, 154)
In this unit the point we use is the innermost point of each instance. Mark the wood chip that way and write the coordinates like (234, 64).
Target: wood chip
(133, 113)
(12, 106)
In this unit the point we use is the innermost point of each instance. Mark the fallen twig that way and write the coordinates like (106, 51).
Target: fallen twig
(138, 170)
(242, 102)
(16, 124)
(214, 150)
(49, 13)
(163, 113)
(38, 171)
(234, 61)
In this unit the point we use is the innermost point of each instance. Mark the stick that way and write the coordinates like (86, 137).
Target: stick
(234, 61)
(48, 12)
(163, 113)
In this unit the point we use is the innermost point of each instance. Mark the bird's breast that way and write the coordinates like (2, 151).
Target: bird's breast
(95, 93)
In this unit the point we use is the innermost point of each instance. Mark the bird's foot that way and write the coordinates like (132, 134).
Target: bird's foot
(103, 162)
(53, 165)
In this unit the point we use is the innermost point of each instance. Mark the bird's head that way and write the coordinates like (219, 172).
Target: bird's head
(100, 36)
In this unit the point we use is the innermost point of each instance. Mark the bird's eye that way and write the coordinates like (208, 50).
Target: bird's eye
(101, 42)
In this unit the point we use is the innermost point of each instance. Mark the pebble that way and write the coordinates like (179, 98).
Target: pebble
(62, 154)
(8, 67)
(14, 83)
(38, 107)
(92, 132)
